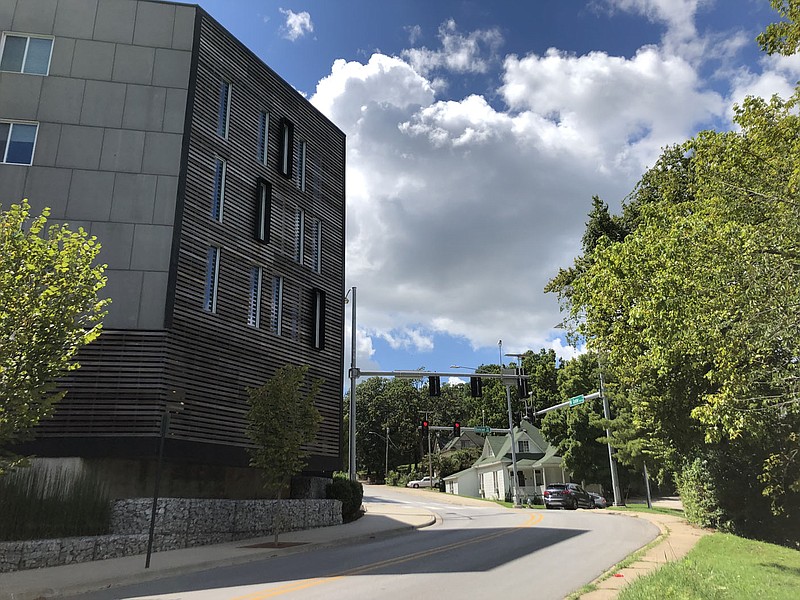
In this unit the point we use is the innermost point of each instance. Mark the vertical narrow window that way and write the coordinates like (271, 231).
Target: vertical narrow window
(263, 136)
(299, 234)
(254, 313)
(263, 210)
(318, 319)
(218, 201)
(316, 245)
(277, 304)
(26, 54)
(287, 147)
(224, 109)
(302, 168)
(17, 142)
(212, 277)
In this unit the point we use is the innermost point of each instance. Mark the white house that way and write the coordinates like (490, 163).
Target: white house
(492, 474)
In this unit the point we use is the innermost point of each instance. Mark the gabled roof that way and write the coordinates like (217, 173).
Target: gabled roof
(472, 440)
(497, 448)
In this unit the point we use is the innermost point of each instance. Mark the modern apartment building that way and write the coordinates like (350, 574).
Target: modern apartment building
(217, 193)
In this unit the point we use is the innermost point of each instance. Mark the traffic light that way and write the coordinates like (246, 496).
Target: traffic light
(424, 425)
(456, 429)
(434, 386)
(475, 387)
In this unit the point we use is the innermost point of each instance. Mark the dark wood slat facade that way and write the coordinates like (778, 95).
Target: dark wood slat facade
(127, 376)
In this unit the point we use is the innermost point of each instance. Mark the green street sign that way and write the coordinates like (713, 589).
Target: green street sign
(576, 400)
(483, 429)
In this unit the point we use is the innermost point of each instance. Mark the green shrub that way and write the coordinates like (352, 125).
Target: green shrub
(392, 478)
(42, 504)
(698, 495)
(351, 493)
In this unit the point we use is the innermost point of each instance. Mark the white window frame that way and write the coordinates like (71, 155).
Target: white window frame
(28, 37)
(218, 192)
(276, 324)
(523, 446)
(254, 314)
(316, 233)
(263, 136)
(223, 120)
(299, 235)
(4, 150)
(212, 279)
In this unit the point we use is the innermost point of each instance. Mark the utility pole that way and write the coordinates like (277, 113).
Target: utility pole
(515, 483)
(611, 460)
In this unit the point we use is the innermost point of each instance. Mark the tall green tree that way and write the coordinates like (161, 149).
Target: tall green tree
(383, 402)
(697, 308)
(281, 421)
(49, 309)
(782, 37)
(579, 431)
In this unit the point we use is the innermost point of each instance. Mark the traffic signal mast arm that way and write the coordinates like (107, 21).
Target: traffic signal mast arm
(570, 402)
(463, 428)
(419, 374)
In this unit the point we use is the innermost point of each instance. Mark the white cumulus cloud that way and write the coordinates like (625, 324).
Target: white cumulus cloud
(297, 24)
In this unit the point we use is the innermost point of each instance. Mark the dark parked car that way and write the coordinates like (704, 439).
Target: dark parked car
(567, 495)
(599, 501)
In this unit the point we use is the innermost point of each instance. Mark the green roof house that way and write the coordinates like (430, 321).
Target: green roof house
(492, 474)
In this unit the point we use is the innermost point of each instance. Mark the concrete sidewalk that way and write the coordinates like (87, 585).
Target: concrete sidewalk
(380, 520)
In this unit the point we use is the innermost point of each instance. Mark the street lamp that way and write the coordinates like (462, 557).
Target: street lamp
(175, 405)
(353, 376)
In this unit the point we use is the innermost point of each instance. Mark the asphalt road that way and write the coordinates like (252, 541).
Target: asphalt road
(477, 550)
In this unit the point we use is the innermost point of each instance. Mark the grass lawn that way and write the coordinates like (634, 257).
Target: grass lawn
(643, 508)
(724, 566)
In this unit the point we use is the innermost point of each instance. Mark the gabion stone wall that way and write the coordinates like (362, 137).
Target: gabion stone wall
(180, 523)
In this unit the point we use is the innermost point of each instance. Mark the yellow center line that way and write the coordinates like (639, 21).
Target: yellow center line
(307, 583)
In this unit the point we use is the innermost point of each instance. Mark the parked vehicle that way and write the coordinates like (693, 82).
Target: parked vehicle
(567, 495)
(599, 501)
(424, 482)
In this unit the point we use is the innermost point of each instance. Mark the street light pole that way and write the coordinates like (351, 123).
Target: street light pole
(353, 376)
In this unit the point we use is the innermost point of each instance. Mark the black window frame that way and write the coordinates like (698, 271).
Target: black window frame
(286, 162)
(318, 319)
(263, 212)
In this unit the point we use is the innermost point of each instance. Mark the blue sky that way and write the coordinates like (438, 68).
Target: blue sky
(478, 132)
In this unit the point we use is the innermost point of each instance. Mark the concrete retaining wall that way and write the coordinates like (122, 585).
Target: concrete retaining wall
(180, 523)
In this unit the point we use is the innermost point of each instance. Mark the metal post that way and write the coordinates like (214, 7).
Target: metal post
(386, 463)
(164, 427)
(647, 487)
(353, 375)
(430, 457)
(612, 462)
(515, 484)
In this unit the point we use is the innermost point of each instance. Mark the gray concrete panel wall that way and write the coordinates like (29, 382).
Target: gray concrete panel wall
(111, 116)
(35, 16)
